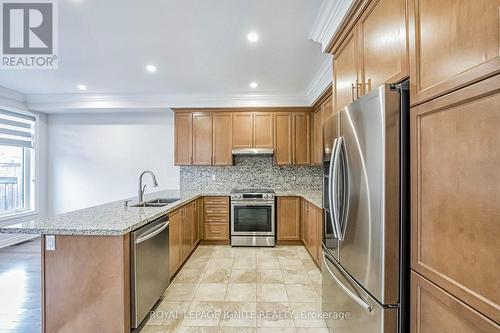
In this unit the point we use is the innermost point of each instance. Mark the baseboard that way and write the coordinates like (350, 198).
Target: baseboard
(289, 242)
(214, 242)
(14, 239)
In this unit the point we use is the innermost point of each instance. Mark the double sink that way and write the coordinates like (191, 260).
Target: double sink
(160, 202)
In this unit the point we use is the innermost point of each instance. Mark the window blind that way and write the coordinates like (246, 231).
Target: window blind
(16, 129)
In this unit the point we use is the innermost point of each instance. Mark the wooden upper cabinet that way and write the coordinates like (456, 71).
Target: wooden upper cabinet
(452, 44)
(183, 133)
(242, 130)
(301, 138)
(345, 72)
(282, 138)
(222, 139)
(288, 218)
(382, 44)
(202, 139)
(455, 193)
(263, 130)
(317, 137)
(434, 310)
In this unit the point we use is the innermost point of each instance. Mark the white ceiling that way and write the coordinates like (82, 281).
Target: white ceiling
(199, 47)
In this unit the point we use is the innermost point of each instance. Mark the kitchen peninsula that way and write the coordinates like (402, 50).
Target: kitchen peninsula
(86, 268)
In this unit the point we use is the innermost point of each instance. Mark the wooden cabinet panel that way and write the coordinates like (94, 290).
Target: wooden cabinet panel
(301, 139)
(263, 130)
(455, 189)
(242, 130)
(202, 139)
(434, 310)
(283, 138)
(312, 233)
(85, 285)
(175, 241)
(216, 231)
(187, 232)
(327, 109)
(382, 44)
(183, 132)
(288, 218)
(216, 200)
(304, 222)
(319, 236)
(317, 138)
(452, 43)
(345, 72)
(222, 139)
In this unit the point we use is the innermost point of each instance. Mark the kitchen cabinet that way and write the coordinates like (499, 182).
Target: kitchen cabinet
(345, 72)
(183, 234)
(202, 138)
(198, 224)
(453, 43)
(175, 240)
(183, 139)
(301, 138)
(435, 310)
(283, 138)
(455, 190)
(253, 130)
(222, 138)
(292, 138)
(374, 51)
(216, 219)
(322, 111)
(288, 218)
(263, 130)
(383, 52)
(311, 222)
(243, 130)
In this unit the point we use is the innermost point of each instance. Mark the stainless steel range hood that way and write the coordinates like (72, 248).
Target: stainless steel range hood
(253, 151)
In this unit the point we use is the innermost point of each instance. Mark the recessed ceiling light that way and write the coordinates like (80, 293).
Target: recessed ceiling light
(82, 87)
(253, 85)
(253, 37)
(151, 68)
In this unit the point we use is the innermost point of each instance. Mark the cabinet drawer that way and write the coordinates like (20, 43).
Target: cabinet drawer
(216, 218)
(216, 200)
(434, 310)
(216, 231)
(216, 209)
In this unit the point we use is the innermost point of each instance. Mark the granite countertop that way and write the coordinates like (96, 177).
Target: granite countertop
(114, 219)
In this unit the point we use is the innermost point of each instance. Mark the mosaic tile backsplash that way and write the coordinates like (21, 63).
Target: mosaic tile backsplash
(250, 172)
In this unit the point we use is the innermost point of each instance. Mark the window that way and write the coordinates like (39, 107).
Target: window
(17, 163)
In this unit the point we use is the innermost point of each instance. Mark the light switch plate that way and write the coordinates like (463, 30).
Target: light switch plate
(50, 242)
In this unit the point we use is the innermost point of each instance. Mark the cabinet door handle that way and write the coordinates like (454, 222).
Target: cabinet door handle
(353, 88)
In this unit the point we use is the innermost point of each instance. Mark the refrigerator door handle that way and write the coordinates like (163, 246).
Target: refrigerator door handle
(349, 292)
(343, 218)
(332, 188)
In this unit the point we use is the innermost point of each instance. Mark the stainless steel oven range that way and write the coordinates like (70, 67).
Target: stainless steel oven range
(252, 218)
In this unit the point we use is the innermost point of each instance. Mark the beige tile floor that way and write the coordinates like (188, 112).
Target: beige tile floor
(244, 290)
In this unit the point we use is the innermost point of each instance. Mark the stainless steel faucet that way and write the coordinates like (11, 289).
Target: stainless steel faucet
(141, 187)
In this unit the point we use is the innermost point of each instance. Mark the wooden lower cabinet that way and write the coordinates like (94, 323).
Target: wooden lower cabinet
(312, 229)
(455, 217)
(175, 241)
(183, 235)
(288, 218)
(435, 310)
(216, 219)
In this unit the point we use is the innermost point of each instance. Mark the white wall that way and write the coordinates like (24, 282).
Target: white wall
(97, 158)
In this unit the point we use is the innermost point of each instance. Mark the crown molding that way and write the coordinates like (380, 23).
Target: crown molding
(328, 20)
(320, 81)
(12, 99)
(63, 103)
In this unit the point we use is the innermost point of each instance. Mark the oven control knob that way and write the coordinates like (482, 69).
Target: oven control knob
(268, 197)
(237, 196)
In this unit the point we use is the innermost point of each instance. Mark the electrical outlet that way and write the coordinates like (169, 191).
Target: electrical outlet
(50, 243)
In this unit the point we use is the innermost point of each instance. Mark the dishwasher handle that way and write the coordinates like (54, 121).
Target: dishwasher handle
(151, 234)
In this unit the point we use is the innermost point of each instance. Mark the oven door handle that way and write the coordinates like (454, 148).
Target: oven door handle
(252, 203)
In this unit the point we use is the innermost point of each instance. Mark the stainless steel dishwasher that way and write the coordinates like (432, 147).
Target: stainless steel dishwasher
(150, 275)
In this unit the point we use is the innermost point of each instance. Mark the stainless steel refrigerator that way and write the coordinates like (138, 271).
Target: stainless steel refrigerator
(366, 197)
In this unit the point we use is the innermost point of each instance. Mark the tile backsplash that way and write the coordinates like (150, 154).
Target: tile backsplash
(250, 172)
